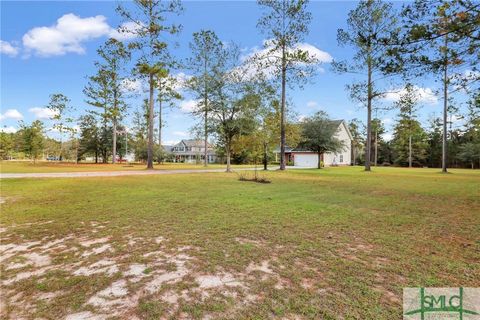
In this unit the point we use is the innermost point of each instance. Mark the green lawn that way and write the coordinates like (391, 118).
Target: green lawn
(313, 244)
(46, 166)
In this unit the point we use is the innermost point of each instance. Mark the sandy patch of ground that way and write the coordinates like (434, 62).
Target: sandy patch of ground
(171, 275)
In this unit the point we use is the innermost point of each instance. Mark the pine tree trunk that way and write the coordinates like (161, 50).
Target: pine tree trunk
(352, 153)
(265, 156)
(160, 124)
(282, 112)
(205, 160)
(410, 151)
(76, 151)
(445, 109)
(376, 146)
(114, 148)
(228, 158)
(205, 102)
(150, 126)
(368, 149)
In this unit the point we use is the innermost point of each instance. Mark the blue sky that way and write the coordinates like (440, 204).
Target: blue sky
(33, 69)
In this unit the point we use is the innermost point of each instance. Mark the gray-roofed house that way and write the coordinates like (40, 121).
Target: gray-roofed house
(192, 151)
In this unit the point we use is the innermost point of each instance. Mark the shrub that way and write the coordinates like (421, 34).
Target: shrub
(245, 176)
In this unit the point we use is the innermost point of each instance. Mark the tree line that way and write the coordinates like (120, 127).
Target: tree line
(243, 104)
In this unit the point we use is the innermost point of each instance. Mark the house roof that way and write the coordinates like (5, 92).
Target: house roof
(167, 148)
(198, 143)
(337, 123)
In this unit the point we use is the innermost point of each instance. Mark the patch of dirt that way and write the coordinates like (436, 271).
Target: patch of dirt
(264, 266)
(98, 250)
(387, 295)
(86, 315)
(173, 275)
(136, 271)
(103, 266)
(169, 277)
(215, 281)
(257, 243)
(109, 296)
(88, 242)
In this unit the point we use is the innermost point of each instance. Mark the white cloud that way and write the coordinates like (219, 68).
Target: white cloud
(315, 53)
(67, 35)
(42, 113)
(11, 114)
(387, 121)
(180, 133)
(267, 54)
(180, 80)
(188, 105)
(8, 49)
(133, 85)
(456, 118)
(312, 104)
(426, 95)
(8, 129)
(387, 136)
(170, 142)
(126, 31)
(70, 32)
(301, 118)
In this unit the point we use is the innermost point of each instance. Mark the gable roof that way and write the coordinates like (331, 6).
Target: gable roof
(199, 143)
(337, 123)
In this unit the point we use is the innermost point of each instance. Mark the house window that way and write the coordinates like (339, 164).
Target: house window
(341, 158)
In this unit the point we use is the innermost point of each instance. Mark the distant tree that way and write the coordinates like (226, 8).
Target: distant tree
(98, 93)
(167, 94)
(151, 28)
(233, 102)
(139, 136)
(442, 37)
(319, 135)
(114, 57)
(62, 116)
(434, 141)
(408, 105)
(33, 139)
(90, 139)
(370, 26)
(285, 23)
(263, 139)
(207, 58)
(409, 143)
(354, 126)
(51, 146)
(470, 152)
(472, 119)
(7, 145)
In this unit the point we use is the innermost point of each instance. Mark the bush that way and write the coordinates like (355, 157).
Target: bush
(244, 176)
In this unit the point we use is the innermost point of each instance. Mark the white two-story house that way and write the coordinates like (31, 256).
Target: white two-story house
(309, 159)
(192, 151)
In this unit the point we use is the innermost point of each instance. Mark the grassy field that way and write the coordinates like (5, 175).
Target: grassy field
(314, 244)
(47, 166)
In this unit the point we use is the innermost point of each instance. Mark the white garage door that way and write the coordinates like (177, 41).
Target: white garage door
(305, 160)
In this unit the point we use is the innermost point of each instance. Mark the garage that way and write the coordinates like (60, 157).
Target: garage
(306, 160)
